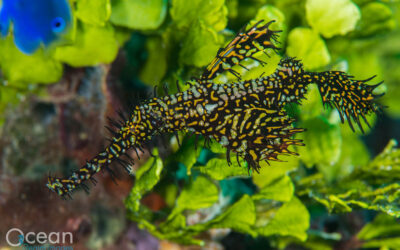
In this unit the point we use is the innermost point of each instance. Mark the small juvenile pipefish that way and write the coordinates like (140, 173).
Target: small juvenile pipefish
(246, 117)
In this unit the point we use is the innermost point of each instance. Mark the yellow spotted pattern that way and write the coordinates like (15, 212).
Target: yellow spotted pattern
(246, 117)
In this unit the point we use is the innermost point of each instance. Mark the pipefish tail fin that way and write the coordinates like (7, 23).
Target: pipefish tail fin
(354, 99)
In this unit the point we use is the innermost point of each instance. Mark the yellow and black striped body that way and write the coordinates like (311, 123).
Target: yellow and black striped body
(246, 117)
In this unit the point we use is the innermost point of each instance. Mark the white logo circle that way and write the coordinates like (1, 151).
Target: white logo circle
(19, 241)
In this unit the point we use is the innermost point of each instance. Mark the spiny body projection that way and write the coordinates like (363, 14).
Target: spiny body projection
(246, 117)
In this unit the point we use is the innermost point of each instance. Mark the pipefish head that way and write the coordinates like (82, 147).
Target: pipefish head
(59, 186)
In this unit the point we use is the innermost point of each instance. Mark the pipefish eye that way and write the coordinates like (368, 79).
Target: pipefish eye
(58, 25)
